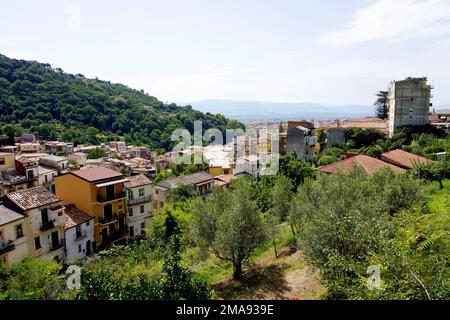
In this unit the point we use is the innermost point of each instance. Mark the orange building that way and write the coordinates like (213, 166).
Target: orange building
(99, 192)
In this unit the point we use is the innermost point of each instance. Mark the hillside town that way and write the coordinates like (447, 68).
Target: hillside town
(60, 204)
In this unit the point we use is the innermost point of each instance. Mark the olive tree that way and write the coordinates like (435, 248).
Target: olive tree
(229, 224)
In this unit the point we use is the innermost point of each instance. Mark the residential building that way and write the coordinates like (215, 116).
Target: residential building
(13, 241)
(439, 119)
(139, 209)
(404, 159)
(99, 192)
(46, 178)
(7, 161)
(9, 149)
(203, 182)
(78, 234)
(54, 147)
(60, 164)
(163, 163)
(301, 141)
(23, 175)
(409, 103)
(118, 146)
(224, 180)
(249, 165)
(29, 147)
(44, 221)
(368, 164)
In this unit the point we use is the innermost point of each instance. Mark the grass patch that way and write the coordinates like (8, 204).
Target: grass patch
(440, 198)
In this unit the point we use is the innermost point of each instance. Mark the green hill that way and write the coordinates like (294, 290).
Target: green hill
(57, 105)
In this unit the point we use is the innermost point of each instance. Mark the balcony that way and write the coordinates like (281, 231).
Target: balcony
(112, 218)
(48, 225)
(108, 198)
(80, 235)
(6, 247)
(139, 200)
(56, 246)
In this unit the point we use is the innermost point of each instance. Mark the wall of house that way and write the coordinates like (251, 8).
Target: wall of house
(71, 189)
(77, 248)
(20, 251)
(409, 104)
(9, 162)
(296, 142)
(34, 222)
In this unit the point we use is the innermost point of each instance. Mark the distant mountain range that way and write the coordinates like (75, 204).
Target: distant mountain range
(262, 110)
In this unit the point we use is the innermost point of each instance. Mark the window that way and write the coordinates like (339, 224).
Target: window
(142, 225)
(410, 113)
(130, 212)
(78, 231)
(79, 248)
(88, 222)
(2, 161)
(142, 209)
(131, 195)
(141, 192)
(131, 231)
(37, 243)
(19, 231)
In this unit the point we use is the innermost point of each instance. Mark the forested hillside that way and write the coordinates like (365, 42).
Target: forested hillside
(57, 105)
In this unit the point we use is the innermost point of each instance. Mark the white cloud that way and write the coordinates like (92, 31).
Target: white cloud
(394, 20)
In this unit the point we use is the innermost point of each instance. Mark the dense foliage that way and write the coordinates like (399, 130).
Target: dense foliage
(57, 105)
(348, 223)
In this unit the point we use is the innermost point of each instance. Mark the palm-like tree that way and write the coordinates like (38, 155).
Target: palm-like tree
(381, 105)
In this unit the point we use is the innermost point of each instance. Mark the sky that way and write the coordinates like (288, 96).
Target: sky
(323, 51)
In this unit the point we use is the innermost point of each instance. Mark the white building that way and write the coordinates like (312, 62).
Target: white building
(47, 178)
(61, 164)
(79, 234)
(139, 210)
(44, 220)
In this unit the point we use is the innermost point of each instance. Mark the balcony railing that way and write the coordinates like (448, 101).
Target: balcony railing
(107, 198)
(80, 235)
(113, 217)
(48, 225)
(56, 246)
(139, 200)
(6, 247)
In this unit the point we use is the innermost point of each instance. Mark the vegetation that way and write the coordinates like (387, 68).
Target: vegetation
(230, 225)
(96, 153)
(56, 105)
(347, 223)
(381, 105)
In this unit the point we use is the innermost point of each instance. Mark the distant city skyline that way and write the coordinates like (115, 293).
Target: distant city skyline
(326, 52)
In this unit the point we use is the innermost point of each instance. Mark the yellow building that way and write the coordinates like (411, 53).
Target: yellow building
(99, 192)
(7, 161)
(13, 242)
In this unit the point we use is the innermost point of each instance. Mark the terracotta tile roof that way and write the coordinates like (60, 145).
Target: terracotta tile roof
(404, 159)
(32, 198)
(96, 173)
(369, 164)
(75, 216)
(225, 178)
(137, 181)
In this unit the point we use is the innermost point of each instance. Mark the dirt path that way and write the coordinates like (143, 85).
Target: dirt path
(285, 278)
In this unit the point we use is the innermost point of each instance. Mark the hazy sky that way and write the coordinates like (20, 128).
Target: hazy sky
(326, 51)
